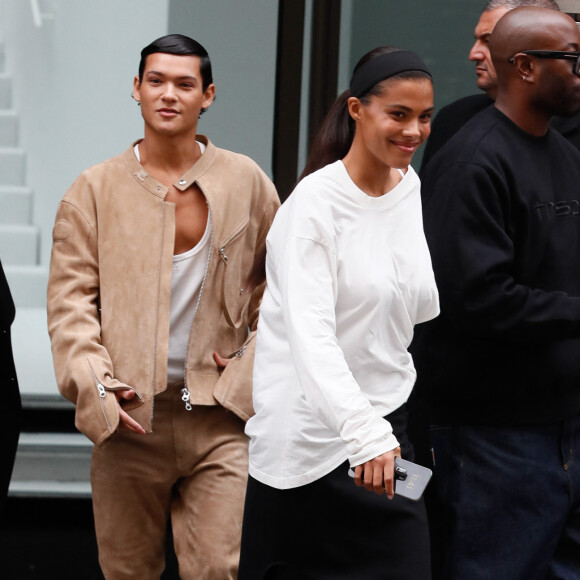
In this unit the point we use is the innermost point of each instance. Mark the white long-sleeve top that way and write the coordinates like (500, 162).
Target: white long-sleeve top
(348, 277)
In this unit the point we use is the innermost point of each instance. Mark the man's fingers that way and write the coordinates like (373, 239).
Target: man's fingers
(127, 422)
(220, 361)
(124, 394)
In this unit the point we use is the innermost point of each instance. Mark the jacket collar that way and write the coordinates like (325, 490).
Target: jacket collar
(190, 176)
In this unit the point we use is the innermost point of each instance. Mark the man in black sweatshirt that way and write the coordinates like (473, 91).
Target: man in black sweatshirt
(501, 365)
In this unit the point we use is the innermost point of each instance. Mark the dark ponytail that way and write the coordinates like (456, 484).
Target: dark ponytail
(334, 137)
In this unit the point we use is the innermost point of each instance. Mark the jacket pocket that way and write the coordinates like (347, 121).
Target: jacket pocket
(236, 259)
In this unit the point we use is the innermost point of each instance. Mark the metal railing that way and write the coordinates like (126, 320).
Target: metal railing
(41, 12)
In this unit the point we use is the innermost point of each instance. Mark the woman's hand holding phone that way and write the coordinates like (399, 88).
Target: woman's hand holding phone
(378, 474)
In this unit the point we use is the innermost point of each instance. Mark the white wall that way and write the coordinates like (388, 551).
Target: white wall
(241, 38)
(72, 87)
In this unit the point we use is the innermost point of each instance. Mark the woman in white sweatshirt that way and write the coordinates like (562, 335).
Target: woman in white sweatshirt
(349, 275)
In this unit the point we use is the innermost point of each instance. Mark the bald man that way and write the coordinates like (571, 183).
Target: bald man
(501, 365)
(454, 115)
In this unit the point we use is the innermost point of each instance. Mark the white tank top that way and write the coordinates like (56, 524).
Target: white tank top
(189, 271)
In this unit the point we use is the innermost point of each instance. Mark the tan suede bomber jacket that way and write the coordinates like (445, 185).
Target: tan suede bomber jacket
(110, 284)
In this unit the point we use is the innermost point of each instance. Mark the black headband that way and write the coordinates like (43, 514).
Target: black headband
(382, 67)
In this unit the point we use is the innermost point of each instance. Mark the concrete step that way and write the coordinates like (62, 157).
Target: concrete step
(44, 402)
(54, 489)
(19, 245)
(52, 465)
(15, 205)
(8, 128)
(33, 360)
(5, 91)
(12, 166)
(27, 285)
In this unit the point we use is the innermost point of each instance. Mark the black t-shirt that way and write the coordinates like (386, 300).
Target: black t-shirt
(502, 219)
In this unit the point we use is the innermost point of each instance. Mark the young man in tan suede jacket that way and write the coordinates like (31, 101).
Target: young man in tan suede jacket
(152, 320)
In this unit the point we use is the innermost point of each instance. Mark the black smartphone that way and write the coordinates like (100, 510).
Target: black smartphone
(410, 479)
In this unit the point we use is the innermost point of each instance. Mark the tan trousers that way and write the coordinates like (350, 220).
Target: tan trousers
(193, 468)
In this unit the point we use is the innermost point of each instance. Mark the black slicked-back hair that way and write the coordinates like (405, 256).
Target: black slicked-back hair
(180, 45)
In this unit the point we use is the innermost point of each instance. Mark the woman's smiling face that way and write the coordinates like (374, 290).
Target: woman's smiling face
(393, 124)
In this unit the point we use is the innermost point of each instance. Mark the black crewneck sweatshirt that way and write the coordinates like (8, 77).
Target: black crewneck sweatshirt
(502, 218)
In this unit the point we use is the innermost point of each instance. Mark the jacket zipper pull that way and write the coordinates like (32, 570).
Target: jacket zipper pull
(223, 255)
(102, 392)
(185, 398)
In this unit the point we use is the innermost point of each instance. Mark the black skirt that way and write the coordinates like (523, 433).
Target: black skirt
(332, 530)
